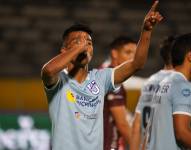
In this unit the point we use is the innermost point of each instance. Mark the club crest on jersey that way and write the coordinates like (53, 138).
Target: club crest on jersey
(93, 87)
(186, 92)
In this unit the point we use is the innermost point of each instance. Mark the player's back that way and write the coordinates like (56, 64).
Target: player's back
(144, 106)
(161, 130)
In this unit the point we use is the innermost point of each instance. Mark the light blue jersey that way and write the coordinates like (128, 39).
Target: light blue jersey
(145, 100)
(173, 97)
(76, 110)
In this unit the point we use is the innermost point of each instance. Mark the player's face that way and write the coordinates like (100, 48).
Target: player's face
(126, 52)
(77, 38)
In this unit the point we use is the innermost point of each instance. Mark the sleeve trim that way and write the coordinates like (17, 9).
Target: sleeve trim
(53, 87)
(115, 87)
(182, 113)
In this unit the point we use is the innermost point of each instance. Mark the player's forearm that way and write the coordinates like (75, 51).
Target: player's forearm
(135, 142)
(136, 134)
(58, 63)
(124, 71)
(182, 129)
(125, 131)
(142, 49)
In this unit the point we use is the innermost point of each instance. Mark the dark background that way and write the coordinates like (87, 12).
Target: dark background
(31, 30)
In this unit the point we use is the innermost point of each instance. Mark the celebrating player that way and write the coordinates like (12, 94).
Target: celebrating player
(76, 97)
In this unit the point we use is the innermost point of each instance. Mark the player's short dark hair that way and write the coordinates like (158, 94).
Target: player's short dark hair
(165, 49)
(120, 41)
(181, 46)
(77, 27)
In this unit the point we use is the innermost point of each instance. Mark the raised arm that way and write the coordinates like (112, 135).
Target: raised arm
(126, 69)
(50, 70)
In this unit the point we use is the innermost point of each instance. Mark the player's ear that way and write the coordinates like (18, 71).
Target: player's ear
(114, 53)
(189, 56)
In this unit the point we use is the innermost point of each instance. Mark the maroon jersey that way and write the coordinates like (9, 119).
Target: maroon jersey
(111, 135)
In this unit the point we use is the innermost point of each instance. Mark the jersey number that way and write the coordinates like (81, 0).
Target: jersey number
(146, 115)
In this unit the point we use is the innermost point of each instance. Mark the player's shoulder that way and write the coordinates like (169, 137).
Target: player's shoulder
(100, 70)
(100, 73)
(182, 85)
(160, 75)
(178, 82)
(182, 90)
(178, 78)
(155, 78)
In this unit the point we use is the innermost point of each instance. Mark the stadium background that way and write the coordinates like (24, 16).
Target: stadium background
(30, 34)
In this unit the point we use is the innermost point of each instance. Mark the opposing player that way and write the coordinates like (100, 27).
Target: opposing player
(76, 97)
(116, 125)
(169, 127)
(143, 109)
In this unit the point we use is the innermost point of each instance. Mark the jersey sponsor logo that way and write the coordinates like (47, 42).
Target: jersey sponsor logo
(186, 92)
(151, 88)
(85, 116)
(87, 102)
(156, 99)
(163, 89)
(93, 87)
(70, 96)
(77, 115)
(147, 98)
(82, 100)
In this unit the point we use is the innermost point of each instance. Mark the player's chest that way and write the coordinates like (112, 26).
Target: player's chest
(86, 96)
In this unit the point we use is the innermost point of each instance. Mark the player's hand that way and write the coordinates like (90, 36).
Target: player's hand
(152, 18)
(79, 44)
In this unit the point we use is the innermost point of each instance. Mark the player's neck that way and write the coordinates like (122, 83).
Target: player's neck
(185, 71)
(79, 74)
(168, 67)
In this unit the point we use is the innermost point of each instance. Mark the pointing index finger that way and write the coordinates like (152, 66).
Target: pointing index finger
(154, 6)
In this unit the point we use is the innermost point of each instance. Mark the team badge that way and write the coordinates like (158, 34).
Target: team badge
(93, 87)
(186, 92)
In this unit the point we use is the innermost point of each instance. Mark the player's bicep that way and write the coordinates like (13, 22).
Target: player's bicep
(48, 78)
(50, 82)
(52, 87)
(181, 125)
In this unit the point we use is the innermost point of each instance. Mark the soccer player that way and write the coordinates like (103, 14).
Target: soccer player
(122, 49)
(76, 97)
(143, 109)
(170, 124)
